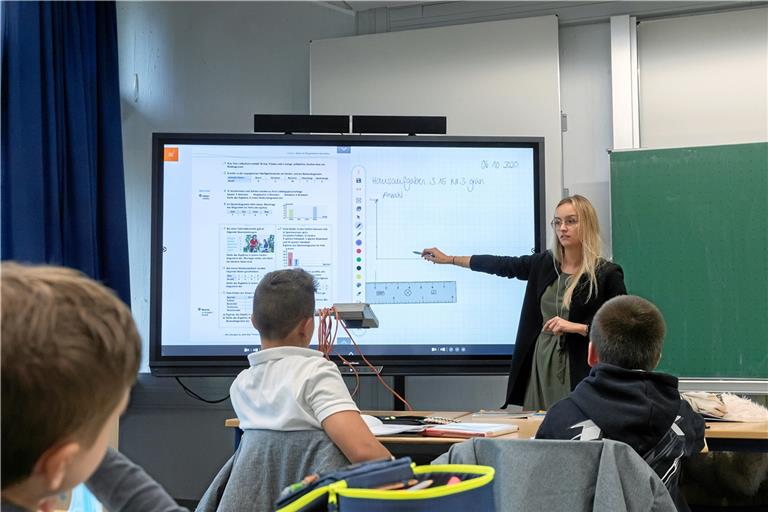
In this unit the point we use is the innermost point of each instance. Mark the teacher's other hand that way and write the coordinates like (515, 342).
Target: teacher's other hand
(560, 326)
(435, 255)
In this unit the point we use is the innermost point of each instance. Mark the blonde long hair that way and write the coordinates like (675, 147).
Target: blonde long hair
(591, 247)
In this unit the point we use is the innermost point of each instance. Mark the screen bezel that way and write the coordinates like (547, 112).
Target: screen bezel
(390, 365)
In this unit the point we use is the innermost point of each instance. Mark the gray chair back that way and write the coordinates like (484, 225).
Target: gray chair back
(265, 462)
(567, 476)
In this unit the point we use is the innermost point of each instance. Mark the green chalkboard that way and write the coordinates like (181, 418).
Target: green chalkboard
(690, 229)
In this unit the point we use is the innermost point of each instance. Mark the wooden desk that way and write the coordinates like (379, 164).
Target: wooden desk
(526, 428)
(725, 436)
(452, 415)
(720, 436)
(424, 449)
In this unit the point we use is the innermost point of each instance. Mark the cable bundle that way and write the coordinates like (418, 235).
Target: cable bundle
(326, 337)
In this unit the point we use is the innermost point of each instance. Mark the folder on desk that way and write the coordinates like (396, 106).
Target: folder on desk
(471, 430)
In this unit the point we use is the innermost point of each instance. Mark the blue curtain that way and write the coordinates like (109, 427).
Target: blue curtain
(63, 195)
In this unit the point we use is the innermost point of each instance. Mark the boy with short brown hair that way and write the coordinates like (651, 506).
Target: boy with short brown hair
(290, 387)
(70, 353)
(624, 399)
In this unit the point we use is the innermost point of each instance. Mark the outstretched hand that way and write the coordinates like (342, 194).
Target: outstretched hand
(435, 255)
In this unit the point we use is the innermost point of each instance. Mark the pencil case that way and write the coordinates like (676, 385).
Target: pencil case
(357, 492)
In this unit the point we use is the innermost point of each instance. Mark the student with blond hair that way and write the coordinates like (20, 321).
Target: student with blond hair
(70, 353)
(566, 286)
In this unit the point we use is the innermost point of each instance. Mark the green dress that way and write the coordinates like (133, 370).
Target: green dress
(550, 375)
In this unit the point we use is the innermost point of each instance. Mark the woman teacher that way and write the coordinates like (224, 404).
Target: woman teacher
(566, 286)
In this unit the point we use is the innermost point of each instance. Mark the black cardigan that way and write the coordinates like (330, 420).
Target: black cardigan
(539, 270)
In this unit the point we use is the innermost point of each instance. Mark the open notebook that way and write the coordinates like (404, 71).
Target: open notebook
(471, 430)
(380, 428)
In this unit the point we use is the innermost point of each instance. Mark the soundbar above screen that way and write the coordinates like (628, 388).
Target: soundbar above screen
(354, 211)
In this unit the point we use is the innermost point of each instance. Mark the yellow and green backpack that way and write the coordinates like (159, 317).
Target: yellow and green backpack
(367, 487)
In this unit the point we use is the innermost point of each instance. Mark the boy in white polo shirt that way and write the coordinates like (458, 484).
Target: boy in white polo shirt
(289, 386)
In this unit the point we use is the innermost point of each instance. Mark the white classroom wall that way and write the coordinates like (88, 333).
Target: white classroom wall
(704, 79)
(497, 78)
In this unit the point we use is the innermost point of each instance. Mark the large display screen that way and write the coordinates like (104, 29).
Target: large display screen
(354, 211)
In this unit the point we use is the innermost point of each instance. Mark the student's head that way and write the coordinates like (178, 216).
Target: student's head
(284, 306)
(70, 353)
(627, 331)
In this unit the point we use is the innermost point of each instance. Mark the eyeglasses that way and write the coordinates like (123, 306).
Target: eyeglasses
(569, 222)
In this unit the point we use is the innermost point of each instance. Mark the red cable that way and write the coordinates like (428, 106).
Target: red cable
(326, 341)
(376, 372)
